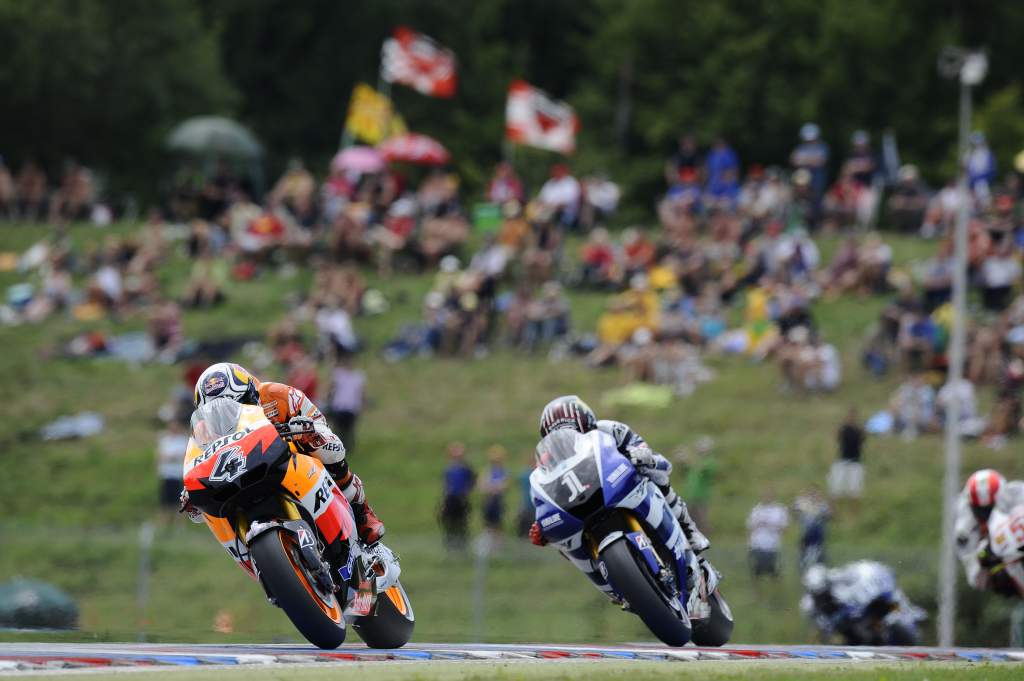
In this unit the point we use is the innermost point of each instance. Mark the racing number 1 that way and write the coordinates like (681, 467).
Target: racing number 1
(576, 487)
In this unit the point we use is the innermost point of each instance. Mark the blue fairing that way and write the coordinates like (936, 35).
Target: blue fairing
(618, 476)
(555, 523)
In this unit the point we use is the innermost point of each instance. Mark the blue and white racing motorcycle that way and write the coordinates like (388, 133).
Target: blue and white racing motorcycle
(615, 526)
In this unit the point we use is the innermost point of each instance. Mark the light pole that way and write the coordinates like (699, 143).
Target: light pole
(969, 68)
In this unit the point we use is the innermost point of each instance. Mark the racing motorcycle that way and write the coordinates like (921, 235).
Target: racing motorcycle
(1005, 555)
(283, 519)
(614, 525)
(862, 603)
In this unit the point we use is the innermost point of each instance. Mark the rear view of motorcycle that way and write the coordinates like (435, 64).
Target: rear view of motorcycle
(284, 520)
(615, 526)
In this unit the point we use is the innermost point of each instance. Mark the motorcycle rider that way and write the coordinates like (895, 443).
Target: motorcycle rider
(986, 490)
(569, 411)
(283, 404)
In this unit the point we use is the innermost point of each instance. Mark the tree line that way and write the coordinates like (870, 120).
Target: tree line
(103, 81)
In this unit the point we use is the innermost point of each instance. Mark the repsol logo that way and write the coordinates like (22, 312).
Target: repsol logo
(323, 496)
(226, 440)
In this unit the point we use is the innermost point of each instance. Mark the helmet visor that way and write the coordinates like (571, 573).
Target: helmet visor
(215, 419)
(555, 448)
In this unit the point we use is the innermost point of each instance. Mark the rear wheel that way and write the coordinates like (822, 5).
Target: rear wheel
(392, 624)
(633, 581)
(717, 628)
(317, 616)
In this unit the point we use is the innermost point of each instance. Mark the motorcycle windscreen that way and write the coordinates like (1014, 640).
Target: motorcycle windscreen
(568, 472)
(215, 419)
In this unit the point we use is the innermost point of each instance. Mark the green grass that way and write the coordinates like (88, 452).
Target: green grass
(72, 509)
(599, 671)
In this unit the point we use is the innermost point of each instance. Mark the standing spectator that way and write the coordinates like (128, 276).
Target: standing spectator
(493, 487)
(999, 272)
(913, 407)
(686, 157)
(908, 200)
(170, 454)
(345, 400)
(30, 186)
(700, 478)
(302, 375)
(813, 513)
(981, 168)
(8, 196)
(562, 195)
(861, 166)
(505, 185)
(846, 479)
(766, 523)
(459, 480)
(723, 175)
(812, 155)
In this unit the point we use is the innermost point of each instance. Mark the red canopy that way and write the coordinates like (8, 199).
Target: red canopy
(414, 148)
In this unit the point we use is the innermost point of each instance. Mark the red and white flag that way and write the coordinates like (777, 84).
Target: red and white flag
(413, 59)
(534, 119)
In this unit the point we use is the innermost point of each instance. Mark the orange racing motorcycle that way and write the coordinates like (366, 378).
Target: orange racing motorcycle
(284, 520)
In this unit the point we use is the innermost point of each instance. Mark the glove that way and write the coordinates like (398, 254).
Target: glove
(185, 506)
(653, 466)
(537, 537)
(304, 435)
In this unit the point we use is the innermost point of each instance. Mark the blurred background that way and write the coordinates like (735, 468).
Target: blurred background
(727, 224)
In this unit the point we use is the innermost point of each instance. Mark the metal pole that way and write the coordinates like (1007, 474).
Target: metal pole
(951, 483)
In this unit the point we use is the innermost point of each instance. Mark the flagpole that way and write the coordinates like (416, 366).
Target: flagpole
(384, 87)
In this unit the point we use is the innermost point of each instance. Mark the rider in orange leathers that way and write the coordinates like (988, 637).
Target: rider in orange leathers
(283, 404)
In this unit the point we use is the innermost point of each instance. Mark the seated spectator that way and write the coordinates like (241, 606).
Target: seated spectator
(1006, 412)
(598, 261)
(913, 407)
(514, 233)
(999, 273)
(937, 277)
(74, 199)
(547, 316)
(917, 340)
(963, 392)
(30, 186)
(686, 157)
(8, 195)
(942, 212)
(637, 252)
(908, 201)
(165, 330)
(334, 326)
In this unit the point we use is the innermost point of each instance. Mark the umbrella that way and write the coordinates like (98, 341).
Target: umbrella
(358, 160)
(414, 148)
(214, 135)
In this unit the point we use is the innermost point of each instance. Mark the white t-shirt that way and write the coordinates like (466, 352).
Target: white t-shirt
(560, 192)
(766, 524)
(997, 271)
(170, 452)
(337, 324)
(831, 367)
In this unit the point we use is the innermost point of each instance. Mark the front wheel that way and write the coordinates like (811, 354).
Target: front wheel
(317, 616)
(717, 628)
(631, 578)
(391, 625)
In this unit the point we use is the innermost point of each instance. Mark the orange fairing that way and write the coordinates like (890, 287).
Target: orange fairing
(303, 474)
(394, 595)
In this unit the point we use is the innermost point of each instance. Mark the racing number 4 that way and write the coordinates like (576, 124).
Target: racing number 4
(576, 488)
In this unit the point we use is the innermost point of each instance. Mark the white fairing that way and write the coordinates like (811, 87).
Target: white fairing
(1006, 536)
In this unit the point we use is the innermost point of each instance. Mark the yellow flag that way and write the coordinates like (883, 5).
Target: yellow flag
(371, 116)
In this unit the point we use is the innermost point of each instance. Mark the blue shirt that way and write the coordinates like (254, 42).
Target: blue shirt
(458, 480)
(721, 162)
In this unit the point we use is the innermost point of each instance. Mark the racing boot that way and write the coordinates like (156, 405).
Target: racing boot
(370, 527)
(698, 542)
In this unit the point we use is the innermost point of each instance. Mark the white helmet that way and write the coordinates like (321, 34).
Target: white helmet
(226, 379)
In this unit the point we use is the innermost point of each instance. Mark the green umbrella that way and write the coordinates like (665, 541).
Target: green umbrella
(214, 135)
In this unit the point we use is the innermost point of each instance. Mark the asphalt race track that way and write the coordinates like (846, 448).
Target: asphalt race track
(15, 657)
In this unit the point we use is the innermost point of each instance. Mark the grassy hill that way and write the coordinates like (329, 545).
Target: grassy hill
(72, 510)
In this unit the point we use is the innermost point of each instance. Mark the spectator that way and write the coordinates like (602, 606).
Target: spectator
(766, 523)
(459, 480)
(685, 158)
(908, 201)
(981, 168)
(813, 513)
(599, 263)
(1006, 412)
(170, 455)
(913, 407)
(562, 195)
(30, 186)
(963, 392)
(345, 400)
(493, 487)
(846, 479)
(1000, 272)
(547, 316)
(302, 375)
(602, 199)
(334, 325)
(8, 195)
(723, 175)
(505, 185)
(812, 155)
(700, 479)
(526, 514)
